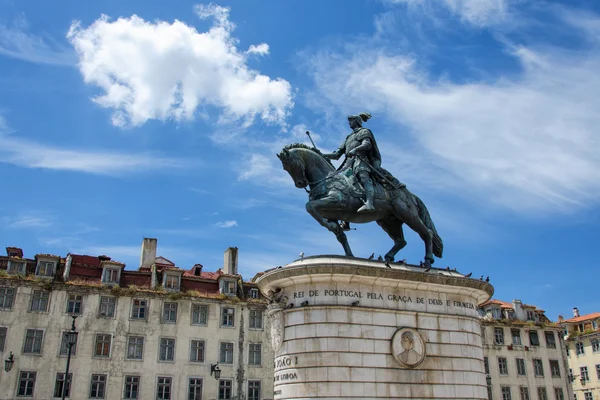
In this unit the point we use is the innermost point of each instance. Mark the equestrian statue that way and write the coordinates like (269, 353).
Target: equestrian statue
(336, 196)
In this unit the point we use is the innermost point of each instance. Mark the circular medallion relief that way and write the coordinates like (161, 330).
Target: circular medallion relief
(408, 348)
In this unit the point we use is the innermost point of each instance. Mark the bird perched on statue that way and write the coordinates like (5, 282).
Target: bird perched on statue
(380, 258)
(481, 278)
(403, 261)
(447, 268)
(304, 303)
(372, 256)
(487, 279)
(301, 255)
(289, 306)
(355, 303)
(468, 275)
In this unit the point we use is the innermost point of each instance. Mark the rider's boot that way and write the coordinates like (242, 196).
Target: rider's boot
(369, 194)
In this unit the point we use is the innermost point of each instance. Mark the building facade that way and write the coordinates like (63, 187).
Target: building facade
(151, 333)
(582, 342)
(523, 353)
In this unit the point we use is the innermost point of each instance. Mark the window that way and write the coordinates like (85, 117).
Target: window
(581, 328)
(595, 345)
(16, 267)
(135, 347)
(538, 367)
(516, 337)
(542, 395)
(253, 390)
(138, 310)
(499, 335)
(567, 349)
(172, 282)
(496, 313)
(579, 348)
(524, 392)
(550, 340)
(170, 313)
(534, 339)
(502, 366)
(254, 295)
(39, 300)
(199, 314)
(530, 315)
(197, 351)
(598, 371)
(98, 386)
(33, 341)
(225, 386)
(588, 396)
(6, 298)
(584, 373)
(111, 275)
(74, 304)
(3, 330)
(132, 387)
(554, 368)
(558, 394)
(107, 306)
(45, 268)
(227, 316)
(506, 393)
(163, 388)
(59, 384)
(256, 319)
(521, 367)
(254, 354)
(167, 349)
(26, 384)
(64, 350)
(486, 365)
(229, 287)
(195, 389)
(226, 353)
(102, 347)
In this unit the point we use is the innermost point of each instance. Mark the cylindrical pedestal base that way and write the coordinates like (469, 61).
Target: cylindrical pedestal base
(353, 329)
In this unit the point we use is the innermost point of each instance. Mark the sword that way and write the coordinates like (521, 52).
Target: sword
(313, 143)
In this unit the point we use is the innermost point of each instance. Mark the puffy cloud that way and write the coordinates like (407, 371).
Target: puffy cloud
(226, 224)
(160, 70)
(262, 49)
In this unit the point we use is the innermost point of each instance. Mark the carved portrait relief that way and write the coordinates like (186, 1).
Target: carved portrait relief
(277, 330)
(408, 348)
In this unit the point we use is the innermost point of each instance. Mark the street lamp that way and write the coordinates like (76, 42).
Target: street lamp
(71, 339)
(217, 371)
(488, 380)
(8, 363)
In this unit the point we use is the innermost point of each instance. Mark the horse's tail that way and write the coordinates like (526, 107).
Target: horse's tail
(438, 245)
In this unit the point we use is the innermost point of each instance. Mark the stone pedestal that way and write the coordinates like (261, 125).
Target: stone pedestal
(345, 328)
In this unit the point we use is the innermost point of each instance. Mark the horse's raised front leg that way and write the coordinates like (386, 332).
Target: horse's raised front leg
(393, 227)
(314, 206)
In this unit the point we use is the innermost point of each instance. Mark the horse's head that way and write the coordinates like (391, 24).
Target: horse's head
(294, 165)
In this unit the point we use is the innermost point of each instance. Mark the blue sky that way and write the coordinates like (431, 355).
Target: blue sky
(124, 120)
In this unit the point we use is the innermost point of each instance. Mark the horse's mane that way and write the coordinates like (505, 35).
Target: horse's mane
(304, 146)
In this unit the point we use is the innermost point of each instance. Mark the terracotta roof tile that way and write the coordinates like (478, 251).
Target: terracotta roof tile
(85, 260)
(502, 304)
(583, 317)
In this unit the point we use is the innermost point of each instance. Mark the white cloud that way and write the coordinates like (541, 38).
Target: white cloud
(526, 142)
(160, 70)
(30, 154)
(262, 49)
(476, 12)
(17, 42)
(28, 220)
(226, 224)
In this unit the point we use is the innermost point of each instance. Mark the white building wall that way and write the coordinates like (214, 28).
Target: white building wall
(116, 367)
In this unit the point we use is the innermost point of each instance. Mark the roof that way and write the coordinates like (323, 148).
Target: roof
(583, 317)
(85, 260)
(203, 275)
(502, 304)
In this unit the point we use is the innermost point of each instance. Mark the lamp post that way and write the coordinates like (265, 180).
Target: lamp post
(8, 363)
(488, 380)
(71, 338)
(214, 368)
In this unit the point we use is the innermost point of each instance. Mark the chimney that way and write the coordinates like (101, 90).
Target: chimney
(148, 252)
(67, 270)
(230, 261)
(197, 269)
(575, 312)
(560, 318)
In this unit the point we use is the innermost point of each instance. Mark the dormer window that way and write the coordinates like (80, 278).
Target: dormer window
(111, 275)
(171, 282)
(530, 316)
(496, 313)
(45, 269)
(16, 267)
(13, 253)
(254, 293)
(228, 288)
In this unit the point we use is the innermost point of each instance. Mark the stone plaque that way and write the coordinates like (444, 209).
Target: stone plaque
(408, 348)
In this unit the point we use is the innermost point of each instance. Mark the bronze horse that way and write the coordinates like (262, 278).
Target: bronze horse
(336, 197)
